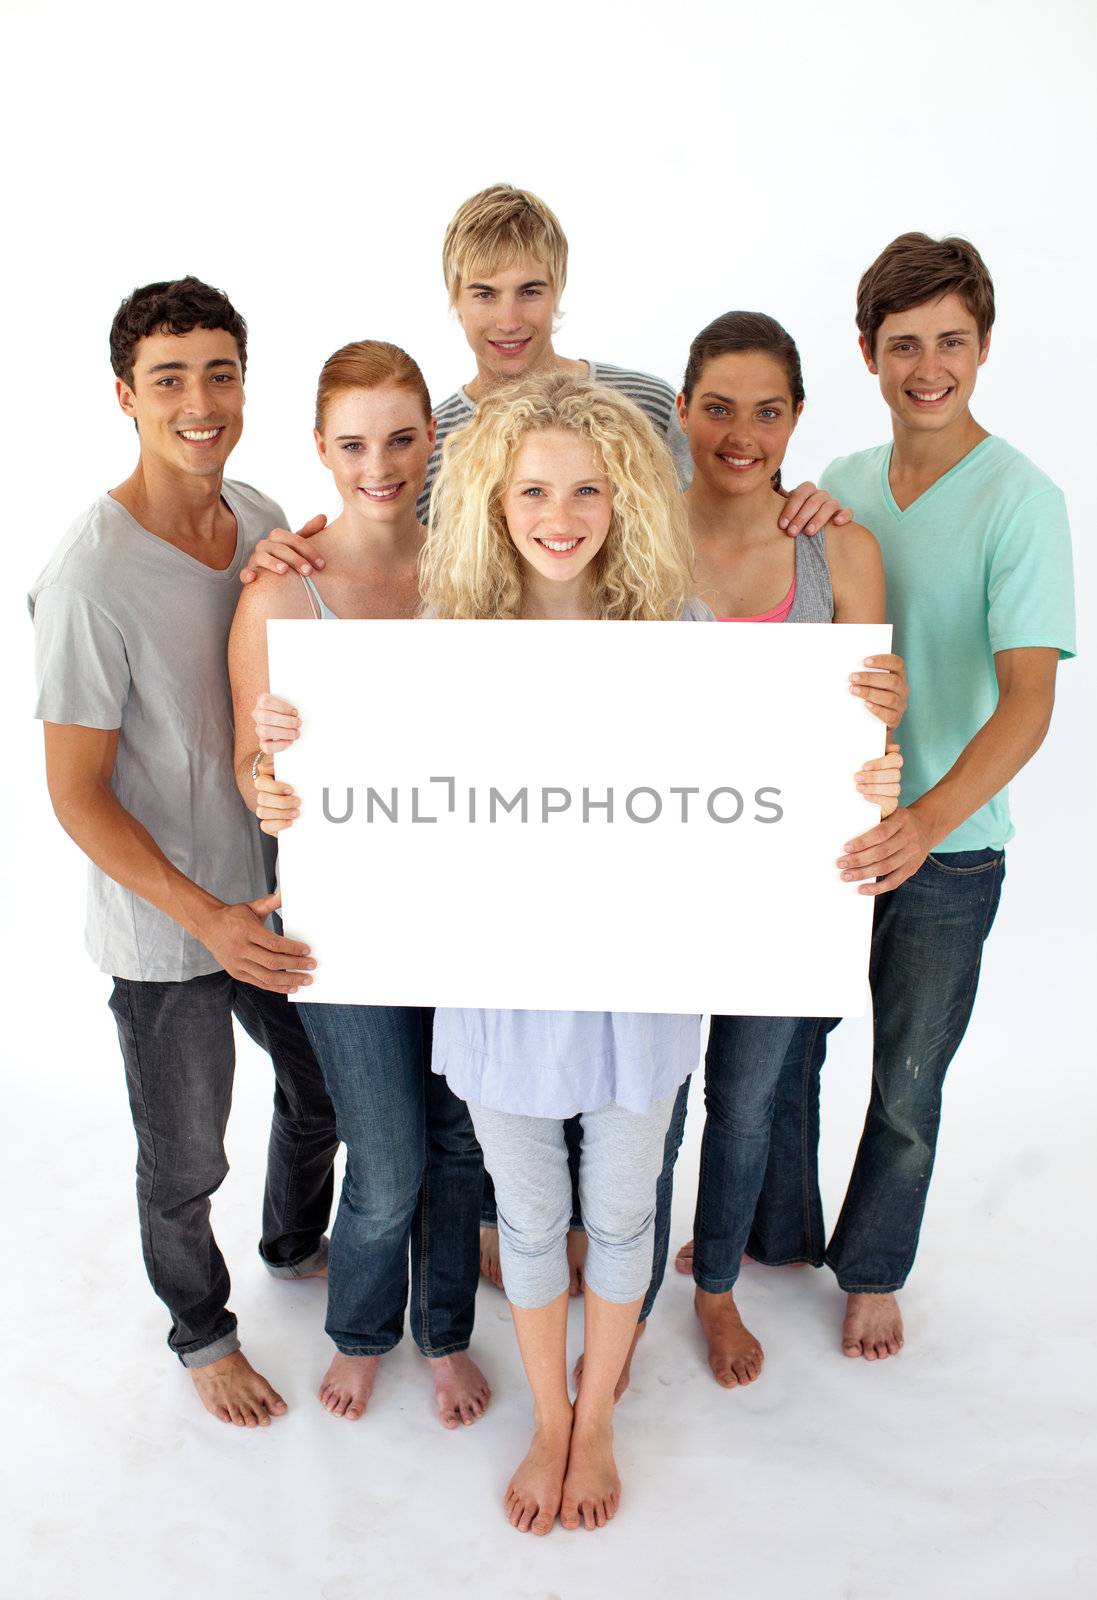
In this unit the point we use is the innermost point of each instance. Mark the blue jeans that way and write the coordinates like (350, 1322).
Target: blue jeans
(177, 1044)
(413, 1174)
(743, 1065)
(664, 1190)
(927, 946)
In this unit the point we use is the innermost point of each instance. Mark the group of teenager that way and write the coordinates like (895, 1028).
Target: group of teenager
(533, 1148)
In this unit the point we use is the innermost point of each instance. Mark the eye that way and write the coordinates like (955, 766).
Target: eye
(533, 294)
(351, 446)
(717, 411)
(954, 344)
(481, 294)
(403, 441)
(166, 383)
(769, 413)
(532, 493)
(903, 349)
(588, 489)
(223, 377)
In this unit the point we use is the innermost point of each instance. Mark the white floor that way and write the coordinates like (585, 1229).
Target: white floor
(963, 1468)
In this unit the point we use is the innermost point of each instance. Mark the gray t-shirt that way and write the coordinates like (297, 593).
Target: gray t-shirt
(654, 397)
(131, 633)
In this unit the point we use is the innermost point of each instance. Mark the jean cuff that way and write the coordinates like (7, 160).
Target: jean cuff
(870, 1288)
(715, 1285)
(306, 1268)
(445, 1350)
(225, 1346)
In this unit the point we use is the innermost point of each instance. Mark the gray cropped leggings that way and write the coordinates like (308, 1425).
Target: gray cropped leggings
(622, 1157)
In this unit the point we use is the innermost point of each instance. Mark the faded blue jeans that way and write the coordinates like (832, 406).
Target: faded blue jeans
(177, 1044)
(413, 1176)
(927, 946)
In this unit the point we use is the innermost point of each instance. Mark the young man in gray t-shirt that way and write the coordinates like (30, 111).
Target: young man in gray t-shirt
(131, 620)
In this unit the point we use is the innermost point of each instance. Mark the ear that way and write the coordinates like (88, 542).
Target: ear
(432, 431)
(125, 397)
(866, 352)
(796, 415)
(321, 447)
(985, 349)
(681, 407)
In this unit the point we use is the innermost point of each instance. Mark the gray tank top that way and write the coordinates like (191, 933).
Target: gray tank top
(324, 613)
(814, 598)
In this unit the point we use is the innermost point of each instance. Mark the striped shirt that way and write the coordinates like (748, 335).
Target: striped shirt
(654, 397)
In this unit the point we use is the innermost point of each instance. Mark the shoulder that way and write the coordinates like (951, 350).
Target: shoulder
(84, 563)
(1016, 477)
(850, 545)
(453, 411)
(260, 511)
(651, 394)
(854, 468)
(271, 596)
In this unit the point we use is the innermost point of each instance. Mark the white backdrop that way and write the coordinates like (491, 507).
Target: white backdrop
(701, 157)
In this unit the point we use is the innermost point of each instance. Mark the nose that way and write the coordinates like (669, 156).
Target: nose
(509, 317)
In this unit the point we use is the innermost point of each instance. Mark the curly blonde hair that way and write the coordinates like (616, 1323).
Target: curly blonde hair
(469, 567)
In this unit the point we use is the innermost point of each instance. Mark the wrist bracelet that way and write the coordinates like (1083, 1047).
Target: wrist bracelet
(256, 766)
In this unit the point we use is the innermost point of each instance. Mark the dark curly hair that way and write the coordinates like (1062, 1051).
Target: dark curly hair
(173, 307)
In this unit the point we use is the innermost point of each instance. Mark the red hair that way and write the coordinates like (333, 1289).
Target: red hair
(367, 364)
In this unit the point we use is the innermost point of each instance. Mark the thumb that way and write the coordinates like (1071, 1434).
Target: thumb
(313, 525)
(268, 903)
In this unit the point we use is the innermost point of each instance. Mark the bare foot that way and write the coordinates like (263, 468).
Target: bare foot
(347, 1385)
(460, 1388)
(734, 1354)
(577, 1260)
(489, 1256)
(626, 1370)
(683, 1261)
(234, 1392)
(592, 1489)
(873, 1327)
(533, 1494)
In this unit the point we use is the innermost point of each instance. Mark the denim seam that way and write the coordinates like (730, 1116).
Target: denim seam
(805, 1153)
(145, 1205)
(291, 1171)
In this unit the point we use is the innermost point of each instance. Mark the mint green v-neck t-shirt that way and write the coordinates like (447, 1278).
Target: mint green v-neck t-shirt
(979, 563)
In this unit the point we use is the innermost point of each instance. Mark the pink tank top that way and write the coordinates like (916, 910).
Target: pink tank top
(778, 614)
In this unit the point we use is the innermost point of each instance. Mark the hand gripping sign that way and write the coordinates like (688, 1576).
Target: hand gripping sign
(578, 816)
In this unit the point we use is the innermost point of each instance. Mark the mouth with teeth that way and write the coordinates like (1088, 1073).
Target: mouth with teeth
(201, 438)
(926, 399)
(510, 347)
(739, 463)
(558, 548)
(381, 492)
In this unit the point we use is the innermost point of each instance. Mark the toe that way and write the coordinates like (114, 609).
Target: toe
(588, 1514)
(569, 1514)
(526, 1512)
(543, 1521)
(354, 1410)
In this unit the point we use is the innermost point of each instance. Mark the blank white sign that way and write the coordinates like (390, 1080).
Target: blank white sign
(686, 792)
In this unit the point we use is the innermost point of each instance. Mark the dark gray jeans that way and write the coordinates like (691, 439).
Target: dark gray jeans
(178, 1048)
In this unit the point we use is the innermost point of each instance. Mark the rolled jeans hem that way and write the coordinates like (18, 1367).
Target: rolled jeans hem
(787, 1261)
(227, 1345)
(716, 1285)
(869, 1288)
(304, 1268)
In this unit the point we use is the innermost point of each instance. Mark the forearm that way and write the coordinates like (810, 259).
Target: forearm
(1003, 745)
(119, 846)
(245, 766)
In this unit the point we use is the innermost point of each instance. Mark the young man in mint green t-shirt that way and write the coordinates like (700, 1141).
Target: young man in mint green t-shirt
(976, 548)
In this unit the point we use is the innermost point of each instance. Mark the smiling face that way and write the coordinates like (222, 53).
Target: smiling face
(739, 420)
(558, 504)
(377, 443)
(187, 398)
(507, 318)
(927, 359)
